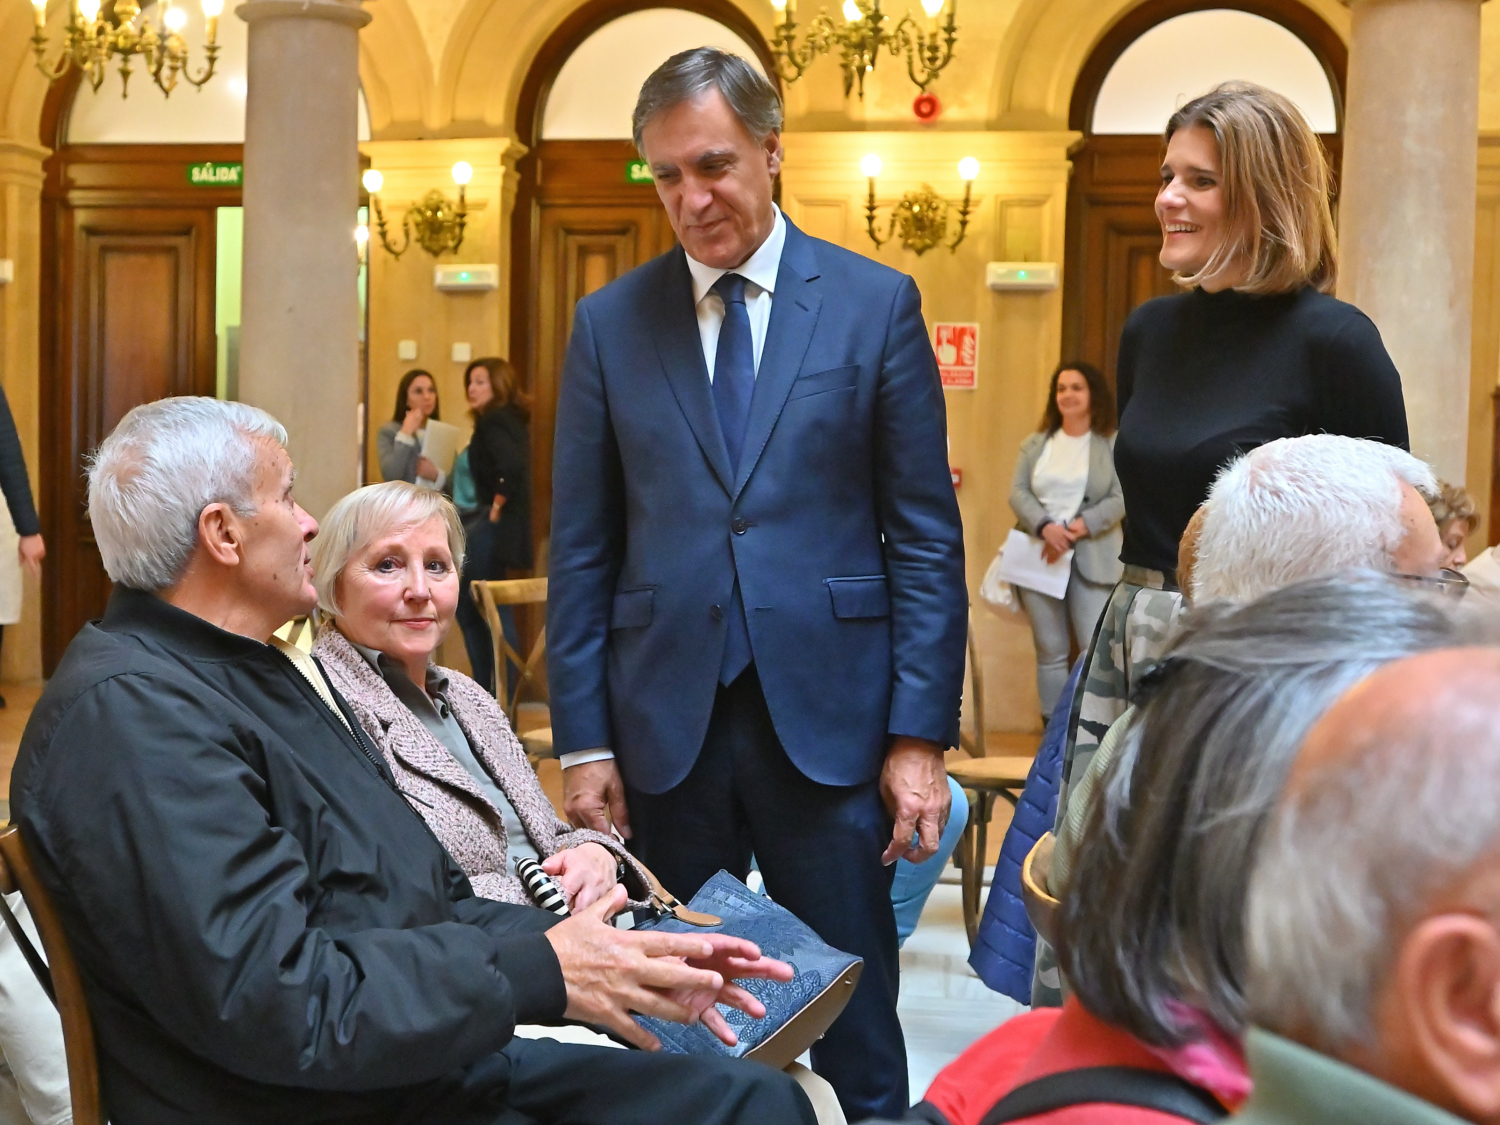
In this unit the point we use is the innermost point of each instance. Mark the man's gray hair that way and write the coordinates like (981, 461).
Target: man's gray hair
(366, 514)
(1353, 856)
(1299, 507)
(687, 74)
(151, 478)
(1153, 915)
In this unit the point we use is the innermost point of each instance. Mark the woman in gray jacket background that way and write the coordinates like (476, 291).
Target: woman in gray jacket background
(1066, 494)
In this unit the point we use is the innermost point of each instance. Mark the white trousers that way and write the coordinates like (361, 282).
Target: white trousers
(1050, 618)
(34, 1080)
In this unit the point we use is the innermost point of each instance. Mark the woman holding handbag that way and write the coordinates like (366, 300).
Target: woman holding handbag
(1066, 494)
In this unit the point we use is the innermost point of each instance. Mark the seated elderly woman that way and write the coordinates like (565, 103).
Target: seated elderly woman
(386, 568)
(1150, 926)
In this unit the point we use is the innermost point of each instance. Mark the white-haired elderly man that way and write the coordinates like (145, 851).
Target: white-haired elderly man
(268, 934)
(1306, 506)
(1374, 913)
(1289, 510)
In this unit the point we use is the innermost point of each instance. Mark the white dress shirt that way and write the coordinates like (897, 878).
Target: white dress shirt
(760, 271)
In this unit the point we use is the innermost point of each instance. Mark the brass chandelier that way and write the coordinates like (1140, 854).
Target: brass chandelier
(96, 34)
(860, 37)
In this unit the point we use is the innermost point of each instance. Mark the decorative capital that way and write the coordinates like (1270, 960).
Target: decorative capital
(335, 11)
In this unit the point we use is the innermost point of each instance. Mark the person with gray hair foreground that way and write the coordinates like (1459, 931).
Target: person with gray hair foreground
(1374, 916)
(266, 931)
(1151, 923)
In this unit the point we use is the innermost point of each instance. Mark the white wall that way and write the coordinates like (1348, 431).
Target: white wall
(1190, 54)
(596, 89)
(213, 115)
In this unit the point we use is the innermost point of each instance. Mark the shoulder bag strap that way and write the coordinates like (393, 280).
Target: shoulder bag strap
(1108, 1085)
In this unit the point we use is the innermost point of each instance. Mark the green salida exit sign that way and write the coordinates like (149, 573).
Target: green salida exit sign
(637, 172)
(216, 173)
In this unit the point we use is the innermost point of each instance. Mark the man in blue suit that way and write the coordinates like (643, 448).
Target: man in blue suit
(757, 608)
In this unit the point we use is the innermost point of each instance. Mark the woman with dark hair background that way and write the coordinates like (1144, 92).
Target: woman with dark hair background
(1066, 494)
(398, 443)
(497, 519)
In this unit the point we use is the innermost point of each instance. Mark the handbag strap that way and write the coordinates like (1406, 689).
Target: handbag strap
(1108, 1085)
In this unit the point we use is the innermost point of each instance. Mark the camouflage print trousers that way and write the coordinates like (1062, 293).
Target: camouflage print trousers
(1138, 623)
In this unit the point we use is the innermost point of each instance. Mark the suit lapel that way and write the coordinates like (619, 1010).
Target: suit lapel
(794, 315)
(681, 351)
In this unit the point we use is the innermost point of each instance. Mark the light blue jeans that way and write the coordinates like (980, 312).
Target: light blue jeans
(914, 881)
(1050, 618)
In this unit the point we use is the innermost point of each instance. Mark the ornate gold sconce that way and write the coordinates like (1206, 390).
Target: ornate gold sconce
(94, 37)
(921, 217)
(860, 37)
(435, 222)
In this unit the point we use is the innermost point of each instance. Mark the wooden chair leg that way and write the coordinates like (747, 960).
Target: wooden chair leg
(965, 855)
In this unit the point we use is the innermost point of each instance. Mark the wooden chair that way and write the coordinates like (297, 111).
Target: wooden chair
(982, 779)
(489, 597)
(1036, 895)
(59, 977)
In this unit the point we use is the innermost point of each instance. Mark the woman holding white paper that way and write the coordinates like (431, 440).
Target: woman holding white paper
(1066, 497)
(398, 443)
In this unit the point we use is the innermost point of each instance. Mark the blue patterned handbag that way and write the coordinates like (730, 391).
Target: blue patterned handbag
(798, 1011)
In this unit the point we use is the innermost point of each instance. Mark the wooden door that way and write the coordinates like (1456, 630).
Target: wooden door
(135, 321)
(1112, 245)
(589, 226)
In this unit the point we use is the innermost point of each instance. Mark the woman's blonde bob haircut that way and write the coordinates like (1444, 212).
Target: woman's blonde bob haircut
(1275, 184)
(365, 515)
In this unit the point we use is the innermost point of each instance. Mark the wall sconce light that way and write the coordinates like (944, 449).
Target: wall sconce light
(921, 218)
(98, 33)
(860, 37)
(362, 241)
(437, 224)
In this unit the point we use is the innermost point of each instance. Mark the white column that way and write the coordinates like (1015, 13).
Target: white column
(299, 349)
(1407, 203)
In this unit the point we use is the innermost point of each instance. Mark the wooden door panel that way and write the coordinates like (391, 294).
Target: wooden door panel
(583, 247)
(135, 324)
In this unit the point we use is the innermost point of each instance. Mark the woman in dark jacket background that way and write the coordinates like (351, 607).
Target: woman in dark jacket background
(499, 535)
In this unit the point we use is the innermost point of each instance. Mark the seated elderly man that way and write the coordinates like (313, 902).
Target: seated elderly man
(1301, 507)
(1374, 909)
(1288, 510)
(266, 931)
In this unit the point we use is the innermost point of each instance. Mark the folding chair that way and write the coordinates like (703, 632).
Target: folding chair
(489, 597)
(983, 779)
(58, 975)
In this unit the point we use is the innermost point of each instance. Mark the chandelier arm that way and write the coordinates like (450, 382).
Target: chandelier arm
(380, 226)
(212, 51)
(56, 70)
(964, 211)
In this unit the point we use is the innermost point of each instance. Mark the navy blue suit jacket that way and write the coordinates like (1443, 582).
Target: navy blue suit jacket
(841, 524)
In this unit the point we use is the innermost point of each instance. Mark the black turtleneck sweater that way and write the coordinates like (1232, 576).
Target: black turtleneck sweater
(1205, 377)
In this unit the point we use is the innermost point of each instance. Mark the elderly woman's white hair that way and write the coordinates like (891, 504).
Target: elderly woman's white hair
(151, 478)
(367, 513)
(1301, 507)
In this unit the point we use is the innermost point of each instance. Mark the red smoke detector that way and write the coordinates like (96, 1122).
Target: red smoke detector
(927, 107)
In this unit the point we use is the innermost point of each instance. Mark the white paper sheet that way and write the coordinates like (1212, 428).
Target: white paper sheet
(1023, 564)
(440, 444)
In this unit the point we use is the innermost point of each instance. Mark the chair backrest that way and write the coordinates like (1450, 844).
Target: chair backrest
(974, 743)
(489, 597)
(17, 873)
(1036, 895)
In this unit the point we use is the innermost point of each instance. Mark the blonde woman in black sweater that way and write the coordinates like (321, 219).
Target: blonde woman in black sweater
(1256, 348)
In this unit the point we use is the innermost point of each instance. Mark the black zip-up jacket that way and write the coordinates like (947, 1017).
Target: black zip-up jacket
(267, 931)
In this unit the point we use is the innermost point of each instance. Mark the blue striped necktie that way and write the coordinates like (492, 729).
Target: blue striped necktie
(734, 382)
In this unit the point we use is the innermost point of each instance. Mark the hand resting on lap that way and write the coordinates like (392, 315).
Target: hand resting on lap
(610, 973)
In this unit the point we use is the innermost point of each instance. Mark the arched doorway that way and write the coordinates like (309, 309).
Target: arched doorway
(140, 274)
(579, 220)
(1152, 60)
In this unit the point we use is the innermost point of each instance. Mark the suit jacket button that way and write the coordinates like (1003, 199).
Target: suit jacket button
(717, 613)
(739, 526)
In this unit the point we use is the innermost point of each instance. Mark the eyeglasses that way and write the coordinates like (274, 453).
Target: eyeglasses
(1449, 583)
